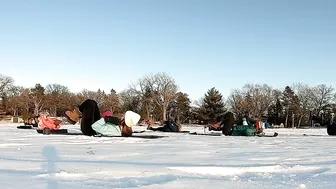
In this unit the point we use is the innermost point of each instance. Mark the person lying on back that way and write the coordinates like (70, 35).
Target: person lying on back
(169, 126)
(47, 122)
(32, 121)
(93, 123)
(110, 125)
(224, 123)
(245, 127)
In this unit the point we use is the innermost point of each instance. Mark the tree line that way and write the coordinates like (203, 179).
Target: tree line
(157, 97)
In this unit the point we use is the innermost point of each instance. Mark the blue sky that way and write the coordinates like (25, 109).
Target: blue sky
(202, 44)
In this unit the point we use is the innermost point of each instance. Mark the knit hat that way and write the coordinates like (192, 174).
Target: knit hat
(107, 114)
(131, 118)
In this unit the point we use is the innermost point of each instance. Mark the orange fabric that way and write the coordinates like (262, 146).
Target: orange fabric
(48, 122)
(257, 124)
(258, 127)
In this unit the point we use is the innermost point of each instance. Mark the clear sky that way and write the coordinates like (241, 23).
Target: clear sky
(202, 44)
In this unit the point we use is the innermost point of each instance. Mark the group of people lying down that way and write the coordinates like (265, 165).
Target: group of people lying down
(92, 123)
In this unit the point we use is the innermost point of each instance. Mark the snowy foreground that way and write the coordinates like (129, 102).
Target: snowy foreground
(291, 160)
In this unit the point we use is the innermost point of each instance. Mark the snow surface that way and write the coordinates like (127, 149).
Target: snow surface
(32, 161)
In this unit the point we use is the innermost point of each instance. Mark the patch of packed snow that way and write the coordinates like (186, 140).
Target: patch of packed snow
(291, 160)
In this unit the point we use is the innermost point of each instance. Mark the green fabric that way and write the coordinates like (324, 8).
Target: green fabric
(244, 130)
(106, 129)
(250, 121)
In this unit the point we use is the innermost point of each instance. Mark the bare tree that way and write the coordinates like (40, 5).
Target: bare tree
(163, 90)
(130, 100)
(13, 103)
(112, 103)
(5, 84)
(37, 97)
(304, 94)
(322, 96)
(254, 98)
(236, 102)
(98, 96)
(57, 97)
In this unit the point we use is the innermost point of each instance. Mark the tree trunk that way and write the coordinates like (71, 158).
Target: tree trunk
(164, 112)
(286, 121)
(147, 110)
(37, 108)
(299, 123)
(293, 124)
(54, 112)
(178, 116)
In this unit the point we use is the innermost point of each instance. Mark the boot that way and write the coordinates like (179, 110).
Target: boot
(73, 116)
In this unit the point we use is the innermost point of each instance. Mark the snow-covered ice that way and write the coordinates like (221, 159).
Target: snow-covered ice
(33, 161)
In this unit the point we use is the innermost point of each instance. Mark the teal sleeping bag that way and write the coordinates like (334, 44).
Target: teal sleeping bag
(244, 130)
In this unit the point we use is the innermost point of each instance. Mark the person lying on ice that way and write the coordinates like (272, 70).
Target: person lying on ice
(247, 126)
(33, 121)
(224, 123)
(46, 122)
(169, 126)
(92, 123)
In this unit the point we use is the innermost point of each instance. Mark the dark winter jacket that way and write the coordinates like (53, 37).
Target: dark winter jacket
(171, 126)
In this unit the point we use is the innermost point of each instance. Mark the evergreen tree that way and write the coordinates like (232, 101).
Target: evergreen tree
(290, 103)
(113, 91)
(212, 106)
(179, 109)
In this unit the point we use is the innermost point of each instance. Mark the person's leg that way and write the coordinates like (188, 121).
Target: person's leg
(90, 114)
(157, 129)
(216, 126)
(228, 123)
(161, 128)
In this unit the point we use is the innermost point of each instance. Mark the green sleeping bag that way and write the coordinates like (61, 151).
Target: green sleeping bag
(244, 130)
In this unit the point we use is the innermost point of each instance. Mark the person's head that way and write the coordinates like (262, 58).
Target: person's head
(129, 120)
(247, 114)
(36, 119)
